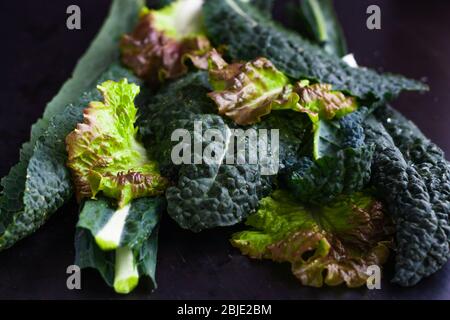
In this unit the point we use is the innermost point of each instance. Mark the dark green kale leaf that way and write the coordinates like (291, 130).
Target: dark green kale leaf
(37, 185)
(204, 195)
(413, 197)
(248, 34)
(430, 163)
(344, 165)
(41, 183)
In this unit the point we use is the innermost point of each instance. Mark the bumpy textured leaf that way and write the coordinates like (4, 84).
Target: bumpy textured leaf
(415, 203)
(248, 35)
(44, 183)
(104, 154)
(206, 195)
(19, 214)
(344, 165)
(163, 39)
(332, 244)
(140, 235)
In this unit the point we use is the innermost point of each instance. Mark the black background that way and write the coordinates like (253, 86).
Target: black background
(38, 54)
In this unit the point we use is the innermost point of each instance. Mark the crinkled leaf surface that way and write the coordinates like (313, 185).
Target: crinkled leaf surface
(204, 195)
(329, 245)
(38, 184)
(412, 177)
(163, 39)
(38, 188)
(103, 153)
(343, 164)
(247, 91)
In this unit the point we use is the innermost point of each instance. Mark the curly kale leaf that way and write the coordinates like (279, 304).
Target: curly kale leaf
(344, 164)
(430, 163)
(204, 195)
(177, 106)
(330, 245)
(414, 201)
(248, 34)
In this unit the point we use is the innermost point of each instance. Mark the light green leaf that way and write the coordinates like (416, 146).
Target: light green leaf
(39, 184)
(245, 92)
(332, 244)
(103, 153)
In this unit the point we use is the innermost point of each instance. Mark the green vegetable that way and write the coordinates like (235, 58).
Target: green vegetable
(126, 272)
(204, 195)
(164, 39)
(342, 162)
(180, 19)
(37, 188)
(260, 88)
(322, 25)
(331, 244)
(412, 177)
(415, 201)
(105, 157)
(39, 184)
(134, 254)
(247, 91)
(248, 34)
(103, 153)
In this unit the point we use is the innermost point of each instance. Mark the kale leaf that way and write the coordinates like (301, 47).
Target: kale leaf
(204, 195)
(41, 183)
(248, 34)
(344, 165)
(413, 195)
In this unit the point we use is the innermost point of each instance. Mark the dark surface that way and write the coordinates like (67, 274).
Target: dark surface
(38, 54)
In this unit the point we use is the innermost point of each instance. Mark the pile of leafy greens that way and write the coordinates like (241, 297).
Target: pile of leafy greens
(354, 178)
